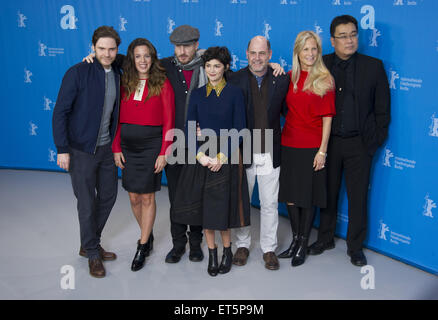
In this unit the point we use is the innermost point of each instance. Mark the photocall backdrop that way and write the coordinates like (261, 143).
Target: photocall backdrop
(42, 39)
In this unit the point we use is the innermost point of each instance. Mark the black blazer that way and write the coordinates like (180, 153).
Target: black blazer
(278, 87)
(372, 99)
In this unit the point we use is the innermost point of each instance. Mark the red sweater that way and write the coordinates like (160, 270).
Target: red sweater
(156, 111)
(303, 127)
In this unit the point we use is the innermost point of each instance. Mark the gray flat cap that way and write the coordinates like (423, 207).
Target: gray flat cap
(184, 34)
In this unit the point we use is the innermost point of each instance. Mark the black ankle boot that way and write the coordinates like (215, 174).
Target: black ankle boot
(301, 251)
(213, 267)
(227, 259)
(150, 245)
(139, 257)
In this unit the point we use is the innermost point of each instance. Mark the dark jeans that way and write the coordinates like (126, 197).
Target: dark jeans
(94, 181)
(178, 231)
(348, 155)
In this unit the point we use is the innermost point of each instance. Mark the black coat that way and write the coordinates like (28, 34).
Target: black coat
(372, 99)
(278, 87)
(179, 85)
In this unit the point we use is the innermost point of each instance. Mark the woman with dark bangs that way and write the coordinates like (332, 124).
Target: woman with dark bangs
(214, 191)
(146, 114)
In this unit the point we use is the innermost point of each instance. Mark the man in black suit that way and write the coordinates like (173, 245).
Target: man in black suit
(358, 129)
(264, 98)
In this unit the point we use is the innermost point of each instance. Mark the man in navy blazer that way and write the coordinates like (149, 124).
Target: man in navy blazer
(264, 99)
(358, 129)
(84, 124)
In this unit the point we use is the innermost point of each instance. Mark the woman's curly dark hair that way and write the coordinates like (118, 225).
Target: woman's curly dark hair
(157, 74)
(219, 53)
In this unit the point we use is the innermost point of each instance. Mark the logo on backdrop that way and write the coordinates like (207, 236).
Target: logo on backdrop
(188, 1)
(234, 61)
(69, 20)
(393, 76)
(217, 29)
(406, 84)
(48, 104)
(21, 18)
(32, 128)
(433, 126)
(383, 230)
(283, 63)
(52, 155)
(122, 24)
(238, 1)
(398, 162)
(336, 2)
(373, 39)
(396, 238)
(170, 25)
(402, 3)
(428, 206)
(266, 28)
(44, 50)
(27, 75)
(318, 29)
(288, 2)
(387, 156)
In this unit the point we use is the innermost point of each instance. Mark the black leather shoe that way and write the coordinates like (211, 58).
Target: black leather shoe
(288, 253)
(196, 254)
(227, 260)
(140, 256)
(358, 258)
(175, 255)
(319, 247)
(300, 253)
(213, 267)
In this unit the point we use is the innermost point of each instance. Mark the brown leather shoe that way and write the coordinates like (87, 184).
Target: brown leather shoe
(271, 261)
(97, 269)
(241, 256)
(105, 255)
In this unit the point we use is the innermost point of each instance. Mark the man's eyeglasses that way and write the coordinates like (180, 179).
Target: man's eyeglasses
(345, 37)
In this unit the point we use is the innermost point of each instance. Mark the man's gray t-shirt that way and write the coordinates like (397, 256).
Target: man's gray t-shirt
(108, 106)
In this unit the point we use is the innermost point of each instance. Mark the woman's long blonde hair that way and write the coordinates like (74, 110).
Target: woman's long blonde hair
(319, 79)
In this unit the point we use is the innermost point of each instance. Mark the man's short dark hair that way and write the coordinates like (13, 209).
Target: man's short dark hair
(105, 32)
(219, 53)
(344, 19)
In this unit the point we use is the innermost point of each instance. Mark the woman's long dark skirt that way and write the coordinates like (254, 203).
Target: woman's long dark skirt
(215, 200)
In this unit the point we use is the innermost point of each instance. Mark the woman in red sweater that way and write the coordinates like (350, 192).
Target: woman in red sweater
(304, 140)
(147, 114)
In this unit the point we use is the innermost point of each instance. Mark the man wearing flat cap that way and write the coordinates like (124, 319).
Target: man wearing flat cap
(185, 72)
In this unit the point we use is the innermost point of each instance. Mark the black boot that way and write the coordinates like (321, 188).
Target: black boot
(294, 219)
(213, 267)
(140, 256)
(306, 223)
(227, 259)
(150, 245)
